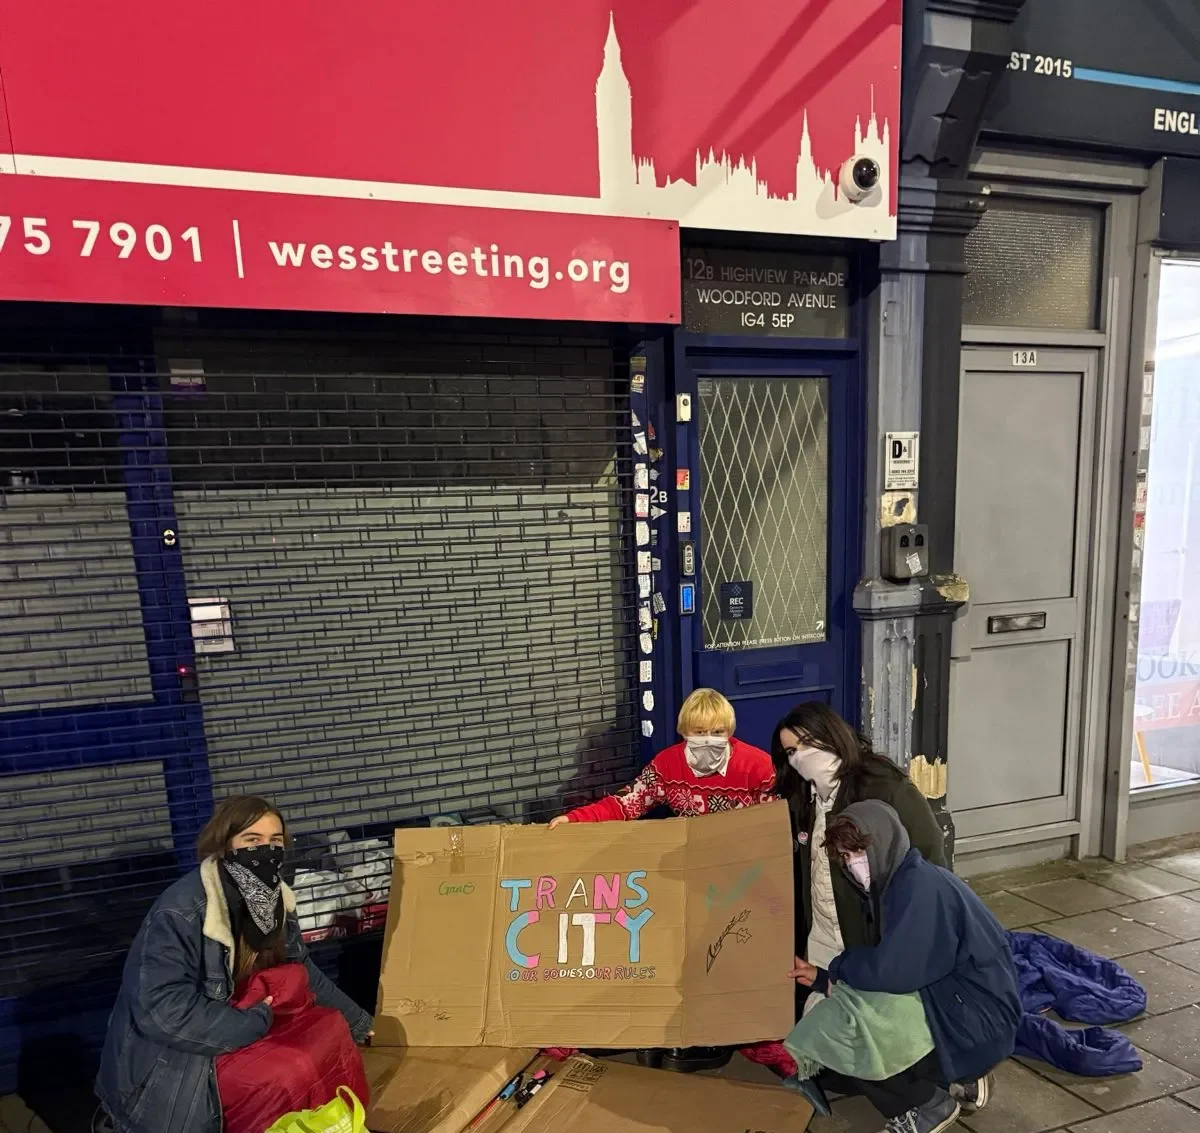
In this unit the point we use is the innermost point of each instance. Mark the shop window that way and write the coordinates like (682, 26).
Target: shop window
(1035, 264)
(1166, 747)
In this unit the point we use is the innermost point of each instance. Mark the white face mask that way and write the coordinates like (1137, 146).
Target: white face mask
(860, 870)
(707, 755)
(817, 766)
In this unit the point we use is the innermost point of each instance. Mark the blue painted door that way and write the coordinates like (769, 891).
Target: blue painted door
(774, 505)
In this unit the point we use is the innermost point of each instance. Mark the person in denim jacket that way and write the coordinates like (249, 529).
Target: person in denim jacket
(206, 935)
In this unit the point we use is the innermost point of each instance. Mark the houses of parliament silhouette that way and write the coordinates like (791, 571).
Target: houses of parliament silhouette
(728, 194)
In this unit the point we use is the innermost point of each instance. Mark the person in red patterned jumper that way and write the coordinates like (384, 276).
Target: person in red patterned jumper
(710, 771)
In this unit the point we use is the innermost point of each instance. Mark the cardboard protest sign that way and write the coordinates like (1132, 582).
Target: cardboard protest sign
(639, 934)
(414, 1095)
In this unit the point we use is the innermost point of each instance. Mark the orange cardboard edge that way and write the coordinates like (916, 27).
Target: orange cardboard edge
(436, 1089)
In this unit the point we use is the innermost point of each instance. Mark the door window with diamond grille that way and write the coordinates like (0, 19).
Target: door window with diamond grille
(764, 497)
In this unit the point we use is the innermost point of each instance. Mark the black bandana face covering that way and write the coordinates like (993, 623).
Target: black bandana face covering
(253, 872)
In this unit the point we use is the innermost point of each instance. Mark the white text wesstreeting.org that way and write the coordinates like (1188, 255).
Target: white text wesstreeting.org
(488, 263)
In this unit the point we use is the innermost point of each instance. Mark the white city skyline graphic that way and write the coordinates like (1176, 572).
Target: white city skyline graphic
(728, 194)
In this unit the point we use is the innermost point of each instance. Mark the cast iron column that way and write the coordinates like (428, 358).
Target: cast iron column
(954, 51)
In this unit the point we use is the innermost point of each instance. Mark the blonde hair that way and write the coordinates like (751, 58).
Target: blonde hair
(705, 710)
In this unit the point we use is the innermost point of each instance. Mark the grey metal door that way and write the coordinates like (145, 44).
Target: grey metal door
(1026, 435)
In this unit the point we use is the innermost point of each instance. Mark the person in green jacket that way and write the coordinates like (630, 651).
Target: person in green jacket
(822, 765)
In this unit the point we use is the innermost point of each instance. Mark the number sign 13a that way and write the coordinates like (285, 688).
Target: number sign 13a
(1024, 358)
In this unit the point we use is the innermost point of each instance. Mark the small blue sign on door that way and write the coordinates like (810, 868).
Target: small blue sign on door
(737, 601)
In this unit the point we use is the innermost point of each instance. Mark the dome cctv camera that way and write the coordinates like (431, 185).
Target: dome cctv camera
(858, 178)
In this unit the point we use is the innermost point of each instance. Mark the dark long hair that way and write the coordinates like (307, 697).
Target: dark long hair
(822, 727)
(231, 817)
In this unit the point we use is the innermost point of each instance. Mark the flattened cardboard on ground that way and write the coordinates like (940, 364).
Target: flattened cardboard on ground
(588, 1096)
(582, 1096)
(640, 934)
(427, 1090)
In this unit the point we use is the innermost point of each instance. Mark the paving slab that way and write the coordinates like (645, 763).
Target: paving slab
(1185, 864)
(1026, 875)
(1188, 955)
(1177, 916)
(1173, 1037)
(1143, 882)
(1168, 986)
(1016, 912)
(850, 1115)
(1163, 1116)
(1071, 896)
(1108, 933)
(1156, 1079)
(1025, 1102)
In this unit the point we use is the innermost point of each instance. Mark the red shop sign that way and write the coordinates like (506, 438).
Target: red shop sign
(523, 130)
(122, 242)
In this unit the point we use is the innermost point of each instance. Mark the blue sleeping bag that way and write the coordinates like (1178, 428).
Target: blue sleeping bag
(1080, 987)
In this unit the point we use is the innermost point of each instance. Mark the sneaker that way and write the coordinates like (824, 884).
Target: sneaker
(936, 1116)
(973, 1096)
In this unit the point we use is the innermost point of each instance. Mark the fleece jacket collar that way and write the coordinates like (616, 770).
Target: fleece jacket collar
(217, 924)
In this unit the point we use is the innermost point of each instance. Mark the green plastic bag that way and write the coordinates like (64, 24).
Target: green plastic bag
(342, 1115)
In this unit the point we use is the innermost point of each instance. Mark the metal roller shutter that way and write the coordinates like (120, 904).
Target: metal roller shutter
(375, 580)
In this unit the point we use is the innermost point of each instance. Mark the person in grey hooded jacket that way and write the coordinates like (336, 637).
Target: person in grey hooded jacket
(932, 935)
(209, 931)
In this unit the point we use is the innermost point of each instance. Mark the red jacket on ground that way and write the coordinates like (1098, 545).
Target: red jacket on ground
(667, 780)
